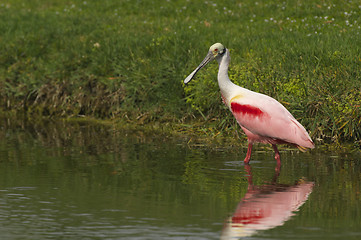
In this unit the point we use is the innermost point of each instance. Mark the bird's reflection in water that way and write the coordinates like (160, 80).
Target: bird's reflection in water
(265, 207)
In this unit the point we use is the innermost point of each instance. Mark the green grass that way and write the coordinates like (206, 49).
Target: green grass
(127, 59)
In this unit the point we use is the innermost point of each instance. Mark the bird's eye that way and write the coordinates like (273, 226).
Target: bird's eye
(216, 50)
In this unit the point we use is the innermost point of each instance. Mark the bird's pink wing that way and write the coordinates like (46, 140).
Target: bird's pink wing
(265, 117)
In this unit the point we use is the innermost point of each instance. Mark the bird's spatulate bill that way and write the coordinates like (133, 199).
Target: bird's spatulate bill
(190, 76)
(206, 60)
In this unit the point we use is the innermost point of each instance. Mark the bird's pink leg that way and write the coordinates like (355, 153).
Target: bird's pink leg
(277, 155)
(249, 152)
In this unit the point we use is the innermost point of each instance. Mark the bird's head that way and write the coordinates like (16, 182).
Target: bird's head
(215, 51)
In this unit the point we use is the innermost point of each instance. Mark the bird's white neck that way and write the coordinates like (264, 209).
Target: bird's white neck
(225, 84)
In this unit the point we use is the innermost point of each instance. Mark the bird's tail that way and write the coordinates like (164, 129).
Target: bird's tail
(302, 137)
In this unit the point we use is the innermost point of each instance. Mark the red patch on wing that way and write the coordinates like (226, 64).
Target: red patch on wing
(246, 109)
(252, 217)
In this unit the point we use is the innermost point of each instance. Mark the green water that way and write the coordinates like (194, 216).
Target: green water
(86, 181)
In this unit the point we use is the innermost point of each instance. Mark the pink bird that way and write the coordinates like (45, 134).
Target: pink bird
(265, 207)
(262, 118)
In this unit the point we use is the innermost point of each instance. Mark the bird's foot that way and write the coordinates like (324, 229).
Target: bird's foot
(278, 168)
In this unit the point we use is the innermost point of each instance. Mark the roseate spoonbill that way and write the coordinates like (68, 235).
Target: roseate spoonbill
(265, 207)
(262, 118)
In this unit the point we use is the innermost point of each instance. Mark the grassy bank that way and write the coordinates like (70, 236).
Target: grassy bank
(127, 59)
